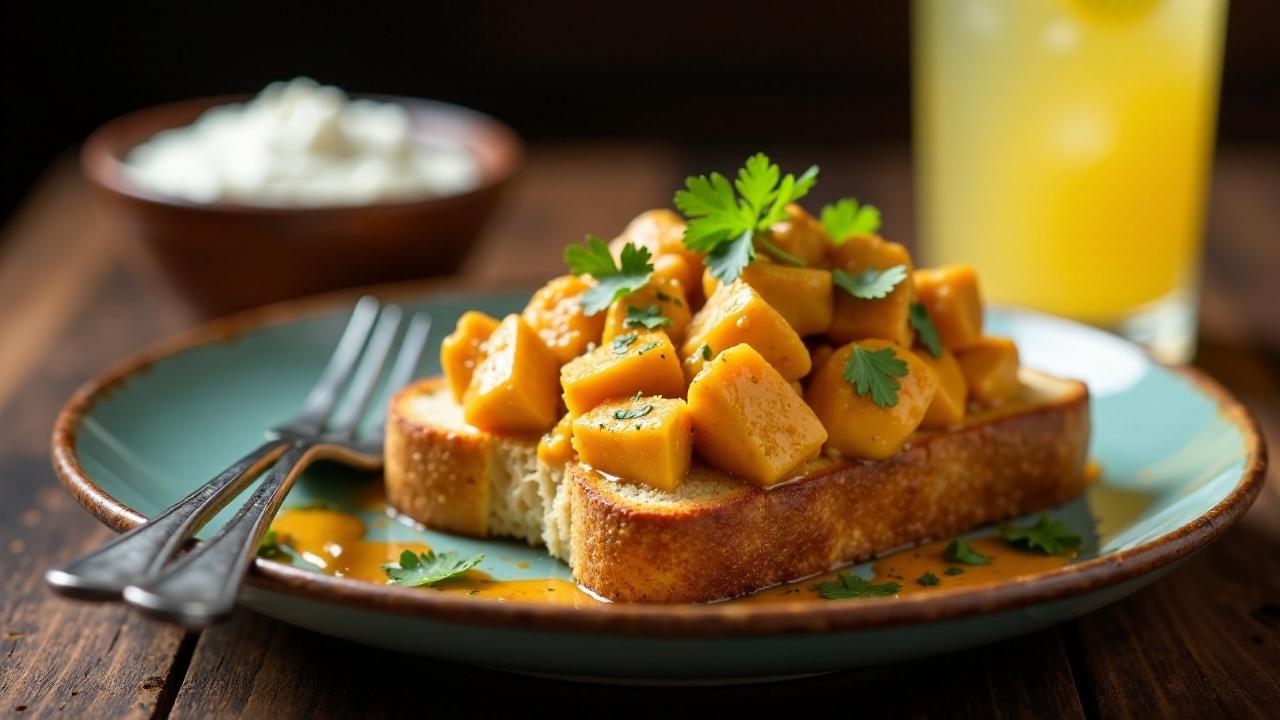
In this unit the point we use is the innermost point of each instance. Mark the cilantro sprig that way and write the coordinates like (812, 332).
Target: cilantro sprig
(612, 280)
(848, 587)
(650, 317)
(959, 551)
(1046, 535)
(870, 284)
(727, 226)
(925, 329)
(874, 372)
(846, 218)
(428, 568)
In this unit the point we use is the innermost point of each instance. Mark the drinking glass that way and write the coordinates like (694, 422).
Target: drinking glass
(1063, 148)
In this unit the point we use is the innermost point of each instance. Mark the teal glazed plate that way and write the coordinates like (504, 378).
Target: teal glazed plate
(1181, 461)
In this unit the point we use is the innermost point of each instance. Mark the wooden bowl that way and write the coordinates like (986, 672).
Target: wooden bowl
(228, 256)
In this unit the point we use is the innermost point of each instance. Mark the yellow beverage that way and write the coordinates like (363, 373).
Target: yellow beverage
(1063, 148)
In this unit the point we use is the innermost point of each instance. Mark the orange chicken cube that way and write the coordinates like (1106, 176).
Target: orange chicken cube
(803, 236)
(555, 446)
(555, 313)
(990, 368)
(662, 232)
(801, 295)
(947, 408)
(660, 295)
(643, 362)
(859, 427)
(462, 350)
(736, 314)
(639, 440)
(514, 388)
(749, 421)
(951, 296)
(887, 318)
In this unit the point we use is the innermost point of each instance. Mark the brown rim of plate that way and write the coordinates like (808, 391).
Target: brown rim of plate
(649, 619)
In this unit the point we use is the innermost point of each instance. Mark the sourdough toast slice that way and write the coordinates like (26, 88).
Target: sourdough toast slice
(716, 537)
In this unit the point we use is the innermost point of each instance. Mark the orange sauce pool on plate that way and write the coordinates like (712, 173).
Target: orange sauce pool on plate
(334, 542)
(907, 566)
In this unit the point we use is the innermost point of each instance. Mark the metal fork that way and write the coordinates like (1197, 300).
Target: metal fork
(201, 587)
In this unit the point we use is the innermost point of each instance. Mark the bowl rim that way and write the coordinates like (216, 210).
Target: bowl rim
(648, 619)
(103, 151)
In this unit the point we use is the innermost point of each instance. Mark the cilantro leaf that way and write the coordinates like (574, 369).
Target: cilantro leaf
(650, 317)
(725, 225)
(847, 587)
(1046, 535)
(706, 351)
(925, 329)
(427, 568)
(960, 551)
(928, 579)
(873, 372)
(872, 283)
(847, 218)
(612, 281)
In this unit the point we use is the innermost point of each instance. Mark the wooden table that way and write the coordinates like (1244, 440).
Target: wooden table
(1205, 641)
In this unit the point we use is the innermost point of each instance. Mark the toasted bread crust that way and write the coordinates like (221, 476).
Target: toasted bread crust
(943, 484)
(740, 538)
(435, 474)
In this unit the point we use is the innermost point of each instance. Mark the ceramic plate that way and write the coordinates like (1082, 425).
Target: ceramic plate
(1180, 462)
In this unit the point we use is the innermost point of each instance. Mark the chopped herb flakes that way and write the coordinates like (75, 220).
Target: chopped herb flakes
(647, 347)
(632, 413)
(928, 579)
(953, 570)
(622, 342)
(706, 351)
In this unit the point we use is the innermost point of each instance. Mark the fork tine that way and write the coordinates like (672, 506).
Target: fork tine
(365, 381)
(411, 349)
(324, 396)
(405, 367)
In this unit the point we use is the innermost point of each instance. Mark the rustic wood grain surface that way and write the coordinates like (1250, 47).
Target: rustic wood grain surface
(1203, 642)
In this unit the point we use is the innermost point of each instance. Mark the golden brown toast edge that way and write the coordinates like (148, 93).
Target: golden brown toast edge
(943, 484)
(435, 474)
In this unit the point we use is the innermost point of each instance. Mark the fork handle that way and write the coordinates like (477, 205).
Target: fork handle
(201, 587)
(132, 558)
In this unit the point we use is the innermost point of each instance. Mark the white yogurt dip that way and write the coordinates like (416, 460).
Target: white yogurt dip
(300, 143)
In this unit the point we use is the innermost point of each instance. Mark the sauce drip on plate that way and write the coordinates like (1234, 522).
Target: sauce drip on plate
(333, 541)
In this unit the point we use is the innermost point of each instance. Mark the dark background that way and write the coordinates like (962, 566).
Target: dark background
(736, 73)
